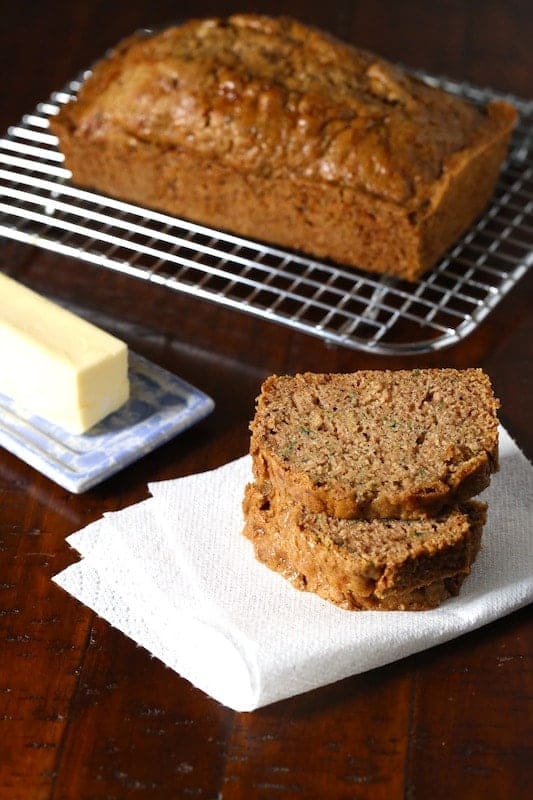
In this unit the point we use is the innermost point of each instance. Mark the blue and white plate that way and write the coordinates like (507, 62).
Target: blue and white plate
(161, 405)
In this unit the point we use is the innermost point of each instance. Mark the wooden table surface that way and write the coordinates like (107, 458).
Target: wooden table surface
(87, 715)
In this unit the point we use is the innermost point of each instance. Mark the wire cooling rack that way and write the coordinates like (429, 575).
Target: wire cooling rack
(340, 305)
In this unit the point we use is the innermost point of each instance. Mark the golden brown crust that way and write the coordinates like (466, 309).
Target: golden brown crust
(277, 131)
(382, 564)
(373, 444)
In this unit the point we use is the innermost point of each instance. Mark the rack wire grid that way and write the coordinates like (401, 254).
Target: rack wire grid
(342, 306)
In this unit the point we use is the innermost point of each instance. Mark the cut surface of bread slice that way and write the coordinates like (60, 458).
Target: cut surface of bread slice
(377, 444)
(359, 564)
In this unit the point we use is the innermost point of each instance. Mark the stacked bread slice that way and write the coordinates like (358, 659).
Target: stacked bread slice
(363, 482)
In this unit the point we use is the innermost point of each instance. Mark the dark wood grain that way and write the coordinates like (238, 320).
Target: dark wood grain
(87, 715)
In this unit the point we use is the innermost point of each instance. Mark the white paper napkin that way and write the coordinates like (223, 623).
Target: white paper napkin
(175, 574)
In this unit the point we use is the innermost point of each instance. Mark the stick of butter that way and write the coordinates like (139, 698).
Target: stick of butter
(57, 365)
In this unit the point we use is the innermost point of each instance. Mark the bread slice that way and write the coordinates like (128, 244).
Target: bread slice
(376, 444)
(357, 564)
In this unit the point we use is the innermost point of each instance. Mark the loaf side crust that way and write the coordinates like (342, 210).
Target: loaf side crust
(333, 559)
(343, 157)
(376, 444)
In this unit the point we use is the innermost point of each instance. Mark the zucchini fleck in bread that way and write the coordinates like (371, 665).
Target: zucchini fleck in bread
(357, 564)
(372, 444)
(277, 131)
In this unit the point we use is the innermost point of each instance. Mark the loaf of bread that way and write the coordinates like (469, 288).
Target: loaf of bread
(274, 130)
(374, 444)
(357, 564)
